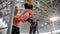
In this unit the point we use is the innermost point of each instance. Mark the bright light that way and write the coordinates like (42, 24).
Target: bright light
(45, 23)
(42, 25)
(54, 18)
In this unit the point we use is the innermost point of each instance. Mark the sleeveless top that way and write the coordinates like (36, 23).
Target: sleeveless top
(24, 17)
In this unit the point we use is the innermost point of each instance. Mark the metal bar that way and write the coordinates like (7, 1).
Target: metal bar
(45, 3)
(3, 28)
(49, 21)
(2, 1)
(11, 17)
(38, 28)
(53, 26)
(5, 6)
(51, 3)
(48, 11)
(56, 2)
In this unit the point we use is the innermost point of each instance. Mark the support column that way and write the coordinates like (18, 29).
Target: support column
(11, 17)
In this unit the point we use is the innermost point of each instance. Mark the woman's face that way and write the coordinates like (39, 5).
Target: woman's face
(16, 11)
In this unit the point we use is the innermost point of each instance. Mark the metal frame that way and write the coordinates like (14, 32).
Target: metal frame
(48, 11)
(3, 28)
(11, 17)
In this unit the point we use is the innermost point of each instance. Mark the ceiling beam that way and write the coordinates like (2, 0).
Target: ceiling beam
(45, 3)
(56, 2)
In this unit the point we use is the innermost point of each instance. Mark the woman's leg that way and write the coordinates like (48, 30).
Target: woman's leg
(15, 30)
(33, 25)
(34, 29)
(31, 29)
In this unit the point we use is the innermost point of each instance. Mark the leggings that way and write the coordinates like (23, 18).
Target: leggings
(15, 30)
(33, 29)
(33, 25)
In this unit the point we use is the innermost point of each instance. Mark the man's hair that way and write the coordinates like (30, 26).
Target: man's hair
(1, 14)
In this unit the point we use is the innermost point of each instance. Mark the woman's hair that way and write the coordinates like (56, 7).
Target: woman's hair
(16, 10)
(29, 0)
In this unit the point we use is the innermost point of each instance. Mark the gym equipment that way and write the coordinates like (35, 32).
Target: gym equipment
(11, 17)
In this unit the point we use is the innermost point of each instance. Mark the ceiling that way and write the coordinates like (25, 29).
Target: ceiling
(45, 9)
(42, 13)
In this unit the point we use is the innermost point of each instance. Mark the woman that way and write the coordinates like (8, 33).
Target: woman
(18, 19)
(29, 6)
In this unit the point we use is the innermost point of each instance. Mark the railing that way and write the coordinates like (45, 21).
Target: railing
(3, 28)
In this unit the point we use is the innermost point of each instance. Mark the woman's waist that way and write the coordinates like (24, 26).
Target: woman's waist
(16, 24)
(29, 3)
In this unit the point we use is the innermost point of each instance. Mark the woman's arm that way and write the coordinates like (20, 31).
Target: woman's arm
(35, 0)
(18, 16)
(26, 1)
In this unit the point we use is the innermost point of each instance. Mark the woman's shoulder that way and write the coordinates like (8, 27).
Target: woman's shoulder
(16, 16)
